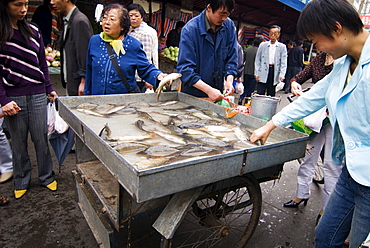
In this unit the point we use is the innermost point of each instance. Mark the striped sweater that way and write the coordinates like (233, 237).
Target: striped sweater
(23, 68)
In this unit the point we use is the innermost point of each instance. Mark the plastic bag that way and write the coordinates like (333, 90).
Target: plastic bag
(51, 111)
(54, 121)
(223, 102)
(239, 88)
(314, 121)
(279, 86)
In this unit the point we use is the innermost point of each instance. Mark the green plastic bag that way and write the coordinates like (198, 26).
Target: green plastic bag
(223, 102)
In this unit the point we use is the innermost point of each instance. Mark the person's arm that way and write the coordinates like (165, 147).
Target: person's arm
(82, 34)
(284, 62)
(257, 63)
(88, 76)
(213, 94)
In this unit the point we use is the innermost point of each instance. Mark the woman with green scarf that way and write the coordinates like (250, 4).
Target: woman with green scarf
(101, 76)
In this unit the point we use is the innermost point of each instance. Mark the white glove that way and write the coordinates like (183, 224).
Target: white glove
(239, 88)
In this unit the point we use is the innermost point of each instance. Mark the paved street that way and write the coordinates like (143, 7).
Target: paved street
(53, 219)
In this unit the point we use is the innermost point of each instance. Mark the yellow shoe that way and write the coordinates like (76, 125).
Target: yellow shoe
(19, 193)
(52, 186)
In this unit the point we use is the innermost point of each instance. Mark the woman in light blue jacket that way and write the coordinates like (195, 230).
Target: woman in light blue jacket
(335, 27)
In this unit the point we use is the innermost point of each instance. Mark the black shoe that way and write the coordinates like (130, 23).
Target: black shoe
(292, 204)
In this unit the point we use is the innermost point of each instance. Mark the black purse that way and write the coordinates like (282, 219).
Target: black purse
(119, 71)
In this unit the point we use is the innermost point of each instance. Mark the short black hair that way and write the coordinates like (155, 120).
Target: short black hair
(217, 4)
(257, 40)
(125, 19)
(179, 24)
(138, 7)
(322, 16)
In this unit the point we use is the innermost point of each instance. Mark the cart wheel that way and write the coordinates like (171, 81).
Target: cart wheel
(226, 215)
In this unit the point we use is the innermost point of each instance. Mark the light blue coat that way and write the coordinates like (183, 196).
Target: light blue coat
(349, 113)
(261, 64)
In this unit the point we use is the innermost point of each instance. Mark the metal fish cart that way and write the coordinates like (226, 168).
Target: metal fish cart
(171, 190)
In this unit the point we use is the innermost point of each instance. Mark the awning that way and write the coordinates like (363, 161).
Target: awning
(295, 4)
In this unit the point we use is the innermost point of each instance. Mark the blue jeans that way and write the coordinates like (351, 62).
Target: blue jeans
(348, 210)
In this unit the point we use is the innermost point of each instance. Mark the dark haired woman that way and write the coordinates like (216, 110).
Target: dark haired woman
(24, 84)
(101, 76)
(336, 28)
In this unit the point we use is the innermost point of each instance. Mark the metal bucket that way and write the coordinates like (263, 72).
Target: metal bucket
(264, 107)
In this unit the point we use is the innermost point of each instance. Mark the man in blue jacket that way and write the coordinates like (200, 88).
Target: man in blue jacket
(208, 54)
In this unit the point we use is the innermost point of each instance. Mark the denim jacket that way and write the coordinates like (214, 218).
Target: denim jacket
(349, 110)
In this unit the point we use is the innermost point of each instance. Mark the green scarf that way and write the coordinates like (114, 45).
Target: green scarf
(116, 44)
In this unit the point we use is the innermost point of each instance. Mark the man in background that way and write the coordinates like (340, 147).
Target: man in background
(74, 42)
(270, 63)
(295, 64)
(249, 58)
(173, 37)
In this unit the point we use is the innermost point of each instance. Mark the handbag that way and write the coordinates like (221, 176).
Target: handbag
(119, 71)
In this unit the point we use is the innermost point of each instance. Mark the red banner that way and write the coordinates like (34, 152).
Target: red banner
(365, 20)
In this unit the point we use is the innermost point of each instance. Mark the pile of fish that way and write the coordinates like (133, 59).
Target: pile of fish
(166, 132)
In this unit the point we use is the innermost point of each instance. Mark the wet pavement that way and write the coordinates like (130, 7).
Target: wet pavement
(53, 219)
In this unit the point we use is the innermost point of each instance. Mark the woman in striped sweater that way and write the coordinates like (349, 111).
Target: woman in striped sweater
(24, 86)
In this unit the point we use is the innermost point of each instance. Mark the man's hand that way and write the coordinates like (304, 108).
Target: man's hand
(228, 85)
(11, 108)
(213, 94)
(81, 87)
(257, 78)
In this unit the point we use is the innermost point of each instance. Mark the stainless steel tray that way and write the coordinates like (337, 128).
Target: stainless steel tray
(153, 183)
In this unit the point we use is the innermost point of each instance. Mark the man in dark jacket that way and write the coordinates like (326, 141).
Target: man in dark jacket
(295, 64)
(74, 42)
(173, 37)
(208, 54)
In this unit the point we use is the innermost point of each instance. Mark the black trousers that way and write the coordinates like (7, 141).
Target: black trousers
(268, 86)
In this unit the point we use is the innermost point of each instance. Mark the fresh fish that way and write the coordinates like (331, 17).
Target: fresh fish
(171, 125)
(161, 151)
(173, 138)
(145, 115)
(243, 144)
(87, 105)
(185, 117)
(217, 129)
(104, 108)
(200, 115)
(115, 109)
(240, 134)
(127, 110)
(192, 125)
(167, 80)
(209, 141)
(147, 163)
(168, 103)
(91, 112)
(179, 109)
(127, 147)
(132, 138)
(106, 132)
(196, 151)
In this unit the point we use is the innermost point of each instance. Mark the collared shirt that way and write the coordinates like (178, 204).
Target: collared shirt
(66, 21)
(148, 37)
(272, 51)
(209, 29)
